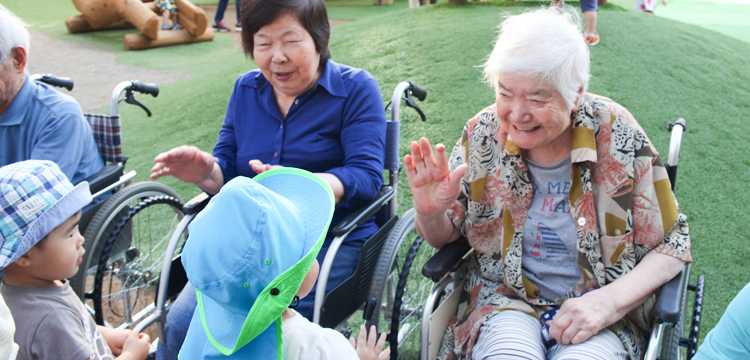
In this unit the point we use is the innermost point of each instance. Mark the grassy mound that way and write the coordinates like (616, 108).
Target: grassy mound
(657, 68)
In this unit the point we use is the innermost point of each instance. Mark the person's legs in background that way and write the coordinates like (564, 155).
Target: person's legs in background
(238, 26)
(590, 13)
(178, 319)
(221, 7)
(343, 266)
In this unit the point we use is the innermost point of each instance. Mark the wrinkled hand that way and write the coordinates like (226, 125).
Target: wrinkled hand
(136, 345)
(433, 187)
(187, 163)
(368, 346)
(582, 317)
(259, 167)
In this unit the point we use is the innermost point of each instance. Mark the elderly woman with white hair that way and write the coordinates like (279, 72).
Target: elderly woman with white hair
(564, 200)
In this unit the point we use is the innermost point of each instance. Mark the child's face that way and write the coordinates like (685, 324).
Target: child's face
(60, 254)
(310, 279)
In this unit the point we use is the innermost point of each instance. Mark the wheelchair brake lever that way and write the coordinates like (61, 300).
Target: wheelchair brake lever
(410, 102)
(130, 99)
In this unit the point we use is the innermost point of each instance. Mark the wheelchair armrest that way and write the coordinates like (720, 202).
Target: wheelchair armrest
(669, 301)
(106, 176)
(364, 212)
(445, 259)
(196, 204)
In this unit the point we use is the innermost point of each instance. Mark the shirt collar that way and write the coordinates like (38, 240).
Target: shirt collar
(583, 144)
(330, 79)
(16, 112)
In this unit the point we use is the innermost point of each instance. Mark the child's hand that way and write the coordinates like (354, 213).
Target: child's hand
(114, 338)
(367, 347)
(136, 346)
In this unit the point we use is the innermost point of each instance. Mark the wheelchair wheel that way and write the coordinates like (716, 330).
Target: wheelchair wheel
(401, 289)
(144, 233)
(125, 283)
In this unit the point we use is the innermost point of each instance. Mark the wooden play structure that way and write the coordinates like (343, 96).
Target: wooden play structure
(123, 14)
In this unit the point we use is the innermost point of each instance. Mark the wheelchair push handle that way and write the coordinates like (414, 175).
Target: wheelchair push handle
(407, 91)
(151, 89)
(418, 91)
(50, 79)
(130, 88)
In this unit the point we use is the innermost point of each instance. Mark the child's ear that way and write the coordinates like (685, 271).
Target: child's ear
(23, 261)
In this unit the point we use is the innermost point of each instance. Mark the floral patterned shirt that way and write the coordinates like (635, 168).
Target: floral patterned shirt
(620, 199)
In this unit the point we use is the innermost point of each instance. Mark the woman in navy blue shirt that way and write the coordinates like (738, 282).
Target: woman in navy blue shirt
(299, 109)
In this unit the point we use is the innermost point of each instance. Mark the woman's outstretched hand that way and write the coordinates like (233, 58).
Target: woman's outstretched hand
(433, 187)
(187, 163)
(259, 167)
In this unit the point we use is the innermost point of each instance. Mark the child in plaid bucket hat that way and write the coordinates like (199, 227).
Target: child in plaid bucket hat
(42, 247)
(251, 253)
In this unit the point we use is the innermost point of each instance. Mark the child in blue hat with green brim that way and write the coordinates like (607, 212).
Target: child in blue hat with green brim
(251, 253)
(41, 247)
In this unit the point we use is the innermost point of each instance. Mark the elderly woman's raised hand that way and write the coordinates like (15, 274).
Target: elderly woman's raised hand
(187, 163)
(433, 187)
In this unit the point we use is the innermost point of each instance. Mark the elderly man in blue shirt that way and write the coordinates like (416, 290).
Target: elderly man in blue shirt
(37, 122)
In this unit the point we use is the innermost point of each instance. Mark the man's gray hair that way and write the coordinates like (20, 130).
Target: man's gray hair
(546, 44)
(13, 33)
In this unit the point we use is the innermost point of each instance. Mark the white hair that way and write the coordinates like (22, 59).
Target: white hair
(545, 43)
(13, 33)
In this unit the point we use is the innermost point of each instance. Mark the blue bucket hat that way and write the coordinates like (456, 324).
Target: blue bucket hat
(35, 198)
(248, 253)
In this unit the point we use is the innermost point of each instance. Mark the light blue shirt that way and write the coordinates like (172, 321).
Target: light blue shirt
(730, 339)
(45, 124)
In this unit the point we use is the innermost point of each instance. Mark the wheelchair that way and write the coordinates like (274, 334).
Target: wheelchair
(370, 288)
(132, 218)
(447, 271)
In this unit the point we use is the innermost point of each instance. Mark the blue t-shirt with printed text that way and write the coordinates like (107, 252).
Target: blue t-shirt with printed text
(549, 238)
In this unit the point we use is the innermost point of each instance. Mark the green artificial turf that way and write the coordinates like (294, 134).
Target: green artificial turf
(659, 69)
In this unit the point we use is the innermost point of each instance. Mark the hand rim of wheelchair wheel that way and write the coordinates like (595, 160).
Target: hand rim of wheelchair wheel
(105, 261)
(408, 308)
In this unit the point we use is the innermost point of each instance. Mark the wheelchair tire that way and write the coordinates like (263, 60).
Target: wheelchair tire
(125, 283)
(104, 221)
(401, 289)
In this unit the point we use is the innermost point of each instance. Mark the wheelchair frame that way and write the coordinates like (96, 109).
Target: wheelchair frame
(331, 310)
(445, 269)
(113, 216)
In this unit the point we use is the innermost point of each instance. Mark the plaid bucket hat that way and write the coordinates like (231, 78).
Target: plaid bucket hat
(35, 198)
(248, 253)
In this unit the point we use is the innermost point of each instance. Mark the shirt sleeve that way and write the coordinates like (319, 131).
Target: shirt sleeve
(333, 345)
(60, 335)
(63, 140)
(225, 151)
(459, 156)
(363, 141)
(658, 221)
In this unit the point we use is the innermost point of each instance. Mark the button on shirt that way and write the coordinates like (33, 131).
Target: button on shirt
(45, 124)
(337, 127)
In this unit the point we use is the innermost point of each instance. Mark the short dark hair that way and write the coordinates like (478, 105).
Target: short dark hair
(312, 14)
